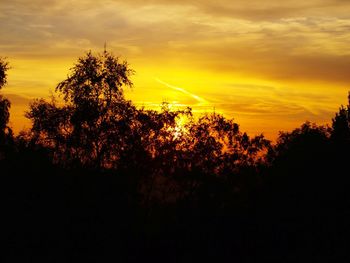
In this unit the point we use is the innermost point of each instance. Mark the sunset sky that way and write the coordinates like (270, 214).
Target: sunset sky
(270, 65)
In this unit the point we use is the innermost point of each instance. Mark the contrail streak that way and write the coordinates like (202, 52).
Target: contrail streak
(197, 98)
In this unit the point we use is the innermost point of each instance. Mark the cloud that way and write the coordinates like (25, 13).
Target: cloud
(285, 42)
(271, 39)
(258, 10)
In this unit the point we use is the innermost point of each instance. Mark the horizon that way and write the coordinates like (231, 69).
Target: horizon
(267, 65)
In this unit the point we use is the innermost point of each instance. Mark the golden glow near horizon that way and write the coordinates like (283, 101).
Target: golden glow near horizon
(270, 65)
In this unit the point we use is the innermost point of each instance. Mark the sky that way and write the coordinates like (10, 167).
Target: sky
(270, 65)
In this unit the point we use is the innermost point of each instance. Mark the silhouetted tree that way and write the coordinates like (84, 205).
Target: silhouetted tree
(215, 157)
(300, 162)
(93, 125)
(3, 72)
(218, 146)
(4, 116)
(300, 142)
(341, 125)
(6, 135)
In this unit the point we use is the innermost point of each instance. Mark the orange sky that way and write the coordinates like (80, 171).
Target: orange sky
(270, 65)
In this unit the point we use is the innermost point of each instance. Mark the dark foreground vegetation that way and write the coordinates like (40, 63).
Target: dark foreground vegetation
(96, 179)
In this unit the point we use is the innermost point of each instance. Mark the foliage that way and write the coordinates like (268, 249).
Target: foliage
(95, 122)
(6, 135)
(4, 66)
(301, 141)
(217, 146)
(341, 124)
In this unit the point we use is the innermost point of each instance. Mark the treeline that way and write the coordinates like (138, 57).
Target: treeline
(95, 177)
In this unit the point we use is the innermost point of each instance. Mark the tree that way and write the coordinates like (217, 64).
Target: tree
(341, 125)
(301, 142)
(4, 103)
(4, 66)
(4, 116)
(92, 126)
(5, 131)
(218, 146)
